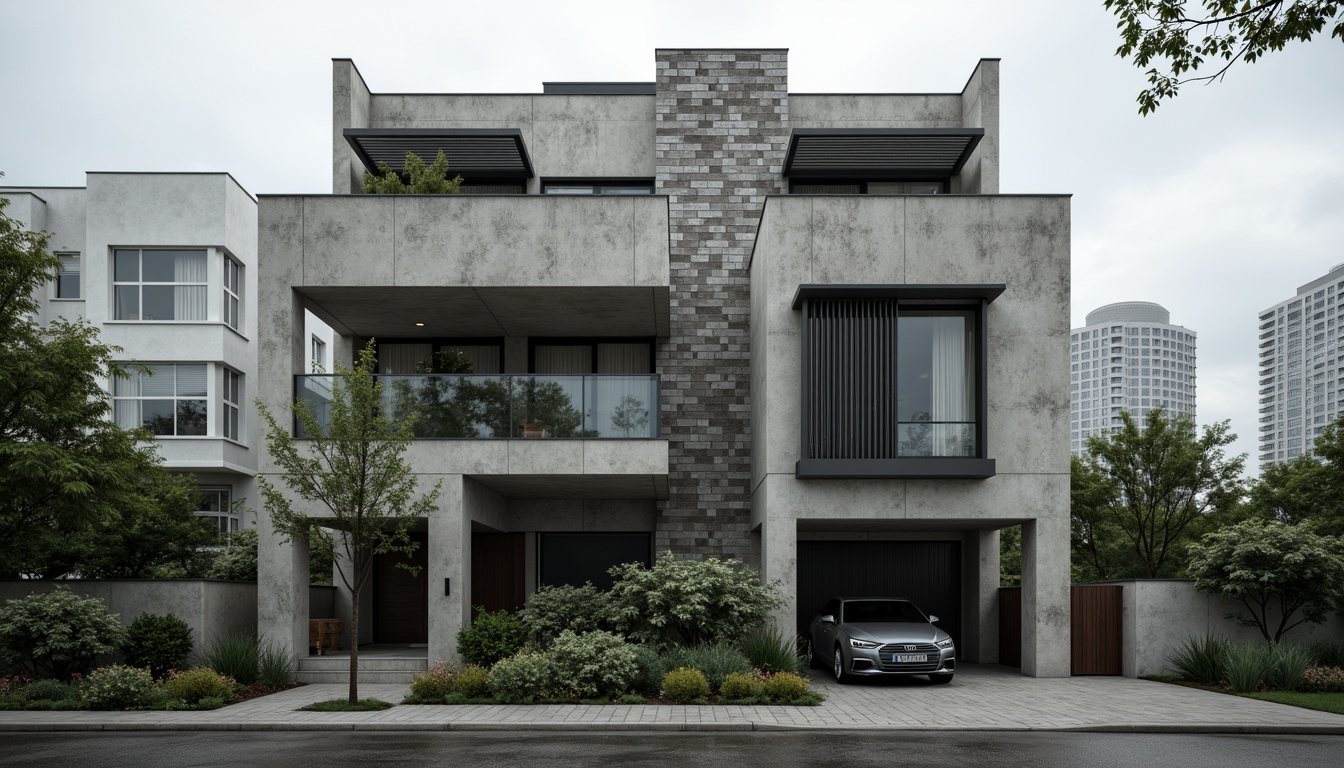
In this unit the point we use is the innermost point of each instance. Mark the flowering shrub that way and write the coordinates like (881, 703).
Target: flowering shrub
(1323, 680)
(13, 684)
(117, 687)
(193, 685)
(449, 678)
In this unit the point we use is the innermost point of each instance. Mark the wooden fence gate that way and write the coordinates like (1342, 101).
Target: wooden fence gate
(1097, 625)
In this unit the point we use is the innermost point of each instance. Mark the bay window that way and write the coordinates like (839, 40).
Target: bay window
(162, 285)
(169, 400)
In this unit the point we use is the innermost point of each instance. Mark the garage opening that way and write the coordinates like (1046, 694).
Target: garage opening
(928, 573)
(573, 558)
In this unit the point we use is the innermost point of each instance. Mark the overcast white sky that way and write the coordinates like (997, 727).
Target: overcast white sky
(1218, 206)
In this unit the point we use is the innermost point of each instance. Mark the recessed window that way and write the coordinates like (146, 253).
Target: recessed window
(599, 187)
(67, 279)
(230, 398)
(168, 400)
(846, 187)
(154, 285)
(319, 355)
(216, 503)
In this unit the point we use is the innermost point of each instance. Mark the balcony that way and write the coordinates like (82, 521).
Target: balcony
(465, 406)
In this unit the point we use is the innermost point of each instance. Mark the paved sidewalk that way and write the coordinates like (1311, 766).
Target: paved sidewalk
(981, 698)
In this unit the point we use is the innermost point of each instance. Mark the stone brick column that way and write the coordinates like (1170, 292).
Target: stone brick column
(721, 137)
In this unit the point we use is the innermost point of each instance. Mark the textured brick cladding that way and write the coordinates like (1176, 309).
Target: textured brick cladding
(721, 135)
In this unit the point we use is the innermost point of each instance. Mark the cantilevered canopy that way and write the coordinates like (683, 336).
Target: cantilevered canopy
(880, 153)
(478, 154)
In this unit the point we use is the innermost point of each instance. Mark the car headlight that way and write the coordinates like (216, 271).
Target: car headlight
(862, 644)
(945, 643)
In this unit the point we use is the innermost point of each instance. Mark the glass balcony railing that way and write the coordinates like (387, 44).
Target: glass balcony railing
(598, 406)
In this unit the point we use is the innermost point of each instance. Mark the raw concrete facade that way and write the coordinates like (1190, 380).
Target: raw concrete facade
(702, 263)
(209, 213)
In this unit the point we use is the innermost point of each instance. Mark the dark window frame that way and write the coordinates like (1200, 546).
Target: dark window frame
(639, 182)
(588, 341)
(862, 184)
(437, 343)
(543, 535)
(959, 297)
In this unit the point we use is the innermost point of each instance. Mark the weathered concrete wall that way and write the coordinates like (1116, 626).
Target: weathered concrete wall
(213, 609)
(1020, 241)
(1161, 614)
(350, 105)
(980, 109)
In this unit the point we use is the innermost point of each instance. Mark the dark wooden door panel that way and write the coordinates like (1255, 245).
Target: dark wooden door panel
(1097, 627)
(497, 571)
(1010, 626)
(401, 600)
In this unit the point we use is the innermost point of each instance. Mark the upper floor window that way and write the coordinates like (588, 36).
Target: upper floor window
(230, 399)
(599, 187)
(67, 279)
(894, 385)
(846, 187)
(232, 291)
(169, 400)
(160, 285)
(319, 353)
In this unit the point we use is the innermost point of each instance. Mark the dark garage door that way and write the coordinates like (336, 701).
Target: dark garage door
(926, 572)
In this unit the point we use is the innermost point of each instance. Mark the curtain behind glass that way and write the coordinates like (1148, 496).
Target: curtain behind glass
(559, 359)
(402, 358)
(950, 386)
(484, 358)
(622, 406)
(189, 300)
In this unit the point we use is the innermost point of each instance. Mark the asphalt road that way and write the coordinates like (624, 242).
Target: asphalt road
(688, 750)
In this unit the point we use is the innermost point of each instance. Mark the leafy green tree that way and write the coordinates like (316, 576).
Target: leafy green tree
(1154, 485)
(421, 179)
(64, 465)
(353, 467)
(690, 602)
(1219, 30)
(1010, 556)
(1271, 568)
(1307, 488)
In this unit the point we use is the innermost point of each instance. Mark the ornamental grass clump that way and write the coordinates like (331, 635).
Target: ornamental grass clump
(194, 685)
(117, 687)
(275, 667)
(1201, 659)
(159, 643)
(592, 665)
(235, 656)
(1287, 666)
(715, 660)
(770, 649)
(1248, 665)
(684, 686)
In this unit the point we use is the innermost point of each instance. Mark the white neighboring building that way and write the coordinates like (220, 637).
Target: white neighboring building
(164, 264)
(1129, 357)
(1301, 368)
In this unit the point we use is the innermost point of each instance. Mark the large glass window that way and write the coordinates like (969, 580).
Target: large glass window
(169, 400)
(160, 285)
(216, 503)
(936, 383)
(67, 279)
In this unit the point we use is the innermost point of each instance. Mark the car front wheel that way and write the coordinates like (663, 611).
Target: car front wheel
(940, 679)
(840, 676)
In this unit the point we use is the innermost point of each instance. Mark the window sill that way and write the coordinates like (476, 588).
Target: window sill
(58, 298)
(910, 468)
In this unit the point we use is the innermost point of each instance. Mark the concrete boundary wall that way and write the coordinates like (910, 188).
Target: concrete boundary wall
(1161, 614)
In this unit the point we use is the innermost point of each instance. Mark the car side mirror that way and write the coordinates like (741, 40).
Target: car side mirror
(827, 619)
(933, 619)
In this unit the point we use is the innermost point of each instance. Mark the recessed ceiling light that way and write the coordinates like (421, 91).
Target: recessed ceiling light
(419, 325)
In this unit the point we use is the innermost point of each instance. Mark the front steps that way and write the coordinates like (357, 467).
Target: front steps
(372, 669)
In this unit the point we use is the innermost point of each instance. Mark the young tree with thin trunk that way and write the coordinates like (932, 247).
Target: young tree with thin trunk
(352, 466)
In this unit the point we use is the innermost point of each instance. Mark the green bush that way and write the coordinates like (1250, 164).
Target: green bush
(48, 690)
(1201, 659)
(1329, 653)
(1248, 665)
(739, 686)
(57, 633)
(552, 610)
(160, 643)
(275, 667)
(715, 660)
(199, 683)
(239, 561)
(211, 702)
(594, 664)
(683, 686)
(784, 686)
(235, 656)
(649, 671)
(1287, 666)
(491, 637)
(474, 683)
(117, 687)
(773, 650)
(521, 678)
(690, 602)
(450, 679)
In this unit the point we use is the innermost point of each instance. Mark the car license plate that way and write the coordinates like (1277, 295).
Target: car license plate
(902, 658)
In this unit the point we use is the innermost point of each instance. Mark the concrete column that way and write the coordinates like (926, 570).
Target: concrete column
(449, 558)
(282, 589)
(351, 103)
(779, 562)
(342, 350)
(980, 597)
(1046, 629)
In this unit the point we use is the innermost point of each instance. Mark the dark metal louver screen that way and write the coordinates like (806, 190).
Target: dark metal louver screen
(851, 370)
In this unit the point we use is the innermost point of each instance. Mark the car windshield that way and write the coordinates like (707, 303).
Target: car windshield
(874, 611)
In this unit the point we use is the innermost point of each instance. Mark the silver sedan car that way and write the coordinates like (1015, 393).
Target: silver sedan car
(880, 636)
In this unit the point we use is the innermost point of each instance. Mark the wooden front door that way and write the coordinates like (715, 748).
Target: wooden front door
(497, 571)
(401, 600)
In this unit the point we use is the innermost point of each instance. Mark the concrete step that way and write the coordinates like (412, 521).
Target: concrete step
(372, 669)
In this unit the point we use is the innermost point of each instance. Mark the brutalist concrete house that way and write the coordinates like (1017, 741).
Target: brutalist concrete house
(704, 315)
(164, 264)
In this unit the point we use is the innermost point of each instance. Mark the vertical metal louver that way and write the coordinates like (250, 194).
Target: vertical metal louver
(850, 365)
